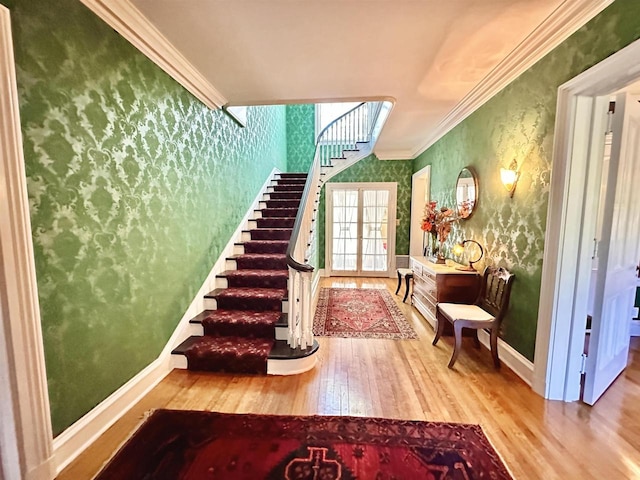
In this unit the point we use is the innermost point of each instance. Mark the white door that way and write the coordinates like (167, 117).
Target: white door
(360, 229)
(619, 252)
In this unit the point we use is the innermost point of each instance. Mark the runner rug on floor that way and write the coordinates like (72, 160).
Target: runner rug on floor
(185, 445)
(360, 312)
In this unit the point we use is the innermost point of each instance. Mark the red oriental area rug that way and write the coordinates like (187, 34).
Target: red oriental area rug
(360, 312)
(185, 445)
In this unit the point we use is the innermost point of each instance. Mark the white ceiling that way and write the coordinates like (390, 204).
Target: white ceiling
(426, 54)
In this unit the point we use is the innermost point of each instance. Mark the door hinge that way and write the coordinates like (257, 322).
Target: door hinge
(583, 366)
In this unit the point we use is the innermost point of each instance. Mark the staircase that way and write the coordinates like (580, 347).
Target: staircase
(244, 324)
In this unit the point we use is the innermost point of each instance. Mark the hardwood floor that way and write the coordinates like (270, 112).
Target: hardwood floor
(409, 379)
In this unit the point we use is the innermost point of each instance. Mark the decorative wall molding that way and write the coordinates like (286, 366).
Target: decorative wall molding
(19, 291)
(74, 440)
(132, 25)
(557, 27)
(394, 154)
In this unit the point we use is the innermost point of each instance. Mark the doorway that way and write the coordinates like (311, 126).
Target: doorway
(420, 195)
(578, 149)
(361, 220)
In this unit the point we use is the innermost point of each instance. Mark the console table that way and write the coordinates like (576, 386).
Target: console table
(433, 283)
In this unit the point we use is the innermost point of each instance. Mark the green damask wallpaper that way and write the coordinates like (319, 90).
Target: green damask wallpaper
(519, 123)
(301, 145)
(371, 169)
(134, 187)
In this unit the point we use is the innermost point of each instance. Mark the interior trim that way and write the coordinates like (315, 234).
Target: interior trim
(559, 340)
(132, 25)
(556, 28)
(27, 383)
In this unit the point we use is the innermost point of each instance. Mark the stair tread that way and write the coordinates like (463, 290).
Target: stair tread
(246, 292)
(254, 273)
(226, 354)
(277, 349)
(280, 318)
(282, 351)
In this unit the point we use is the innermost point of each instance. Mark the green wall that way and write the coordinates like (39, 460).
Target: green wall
(301, 144)
(134, 186)
(371, 169)
(519, 123)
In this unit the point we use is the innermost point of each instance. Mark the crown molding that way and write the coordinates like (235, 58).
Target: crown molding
(136, 28)
(556, 28)
(394, 154)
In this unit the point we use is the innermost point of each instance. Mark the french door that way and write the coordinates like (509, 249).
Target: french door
(360, 229)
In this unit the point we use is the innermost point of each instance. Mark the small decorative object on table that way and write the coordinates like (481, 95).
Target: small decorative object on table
(437, 222)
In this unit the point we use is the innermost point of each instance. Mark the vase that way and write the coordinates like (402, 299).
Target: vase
(434, 245)
(440, 254)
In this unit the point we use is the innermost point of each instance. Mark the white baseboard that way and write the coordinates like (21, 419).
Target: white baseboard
(635, 328)
(75, 439)
(520, 365)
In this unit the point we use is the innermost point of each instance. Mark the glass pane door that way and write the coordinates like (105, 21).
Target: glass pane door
(345, 230)
(359, 230)
(374, 230)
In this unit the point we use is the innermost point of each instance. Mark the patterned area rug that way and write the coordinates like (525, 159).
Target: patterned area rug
(186, 445)
(360, 312)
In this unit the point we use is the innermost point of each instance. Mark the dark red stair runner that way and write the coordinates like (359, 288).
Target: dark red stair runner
(240, 333)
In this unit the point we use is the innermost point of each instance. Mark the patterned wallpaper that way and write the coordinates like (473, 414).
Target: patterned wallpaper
(371, 169)
(519, 123)
(301, 128)
(134, 186)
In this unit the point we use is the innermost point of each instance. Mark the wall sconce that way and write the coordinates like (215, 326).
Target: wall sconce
(459, 250)
(510, 176)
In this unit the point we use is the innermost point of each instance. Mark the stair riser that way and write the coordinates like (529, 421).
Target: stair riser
(212, 304)
(269, 234)
(254, 248)
(274, 223)
(248, 331)
(286, 188)
(266, 264)
(264, 247)
(293, 203)
(283, 196)
(278, 212)
(282, 333)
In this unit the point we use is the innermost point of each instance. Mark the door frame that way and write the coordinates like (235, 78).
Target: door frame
(26, 427)
(566, 263)
(420, 194)
(391, 222)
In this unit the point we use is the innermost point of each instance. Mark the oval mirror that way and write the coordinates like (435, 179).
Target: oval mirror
(466, 192)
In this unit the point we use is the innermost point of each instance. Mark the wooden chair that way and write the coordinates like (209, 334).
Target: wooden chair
(487, 312)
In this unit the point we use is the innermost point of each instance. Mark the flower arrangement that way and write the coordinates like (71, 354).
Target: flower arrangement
(437, 222)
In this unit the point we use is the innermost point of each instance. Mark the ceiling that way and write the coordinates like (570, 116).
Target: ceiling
(429, 56)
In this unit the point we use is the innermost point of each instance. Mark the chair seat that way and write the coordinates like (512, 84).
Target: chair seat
(404, 271)
(472, 313)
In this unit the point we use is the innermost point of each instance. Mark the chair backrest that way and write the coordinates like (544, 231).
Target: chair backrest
(495, 291)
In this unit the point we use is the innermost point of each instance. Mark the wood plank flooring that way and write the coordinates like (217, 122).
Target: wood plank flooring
(409, 379)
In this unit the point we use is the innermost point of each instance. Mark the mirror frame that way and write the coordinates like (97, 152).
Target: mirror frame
(474, 175)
